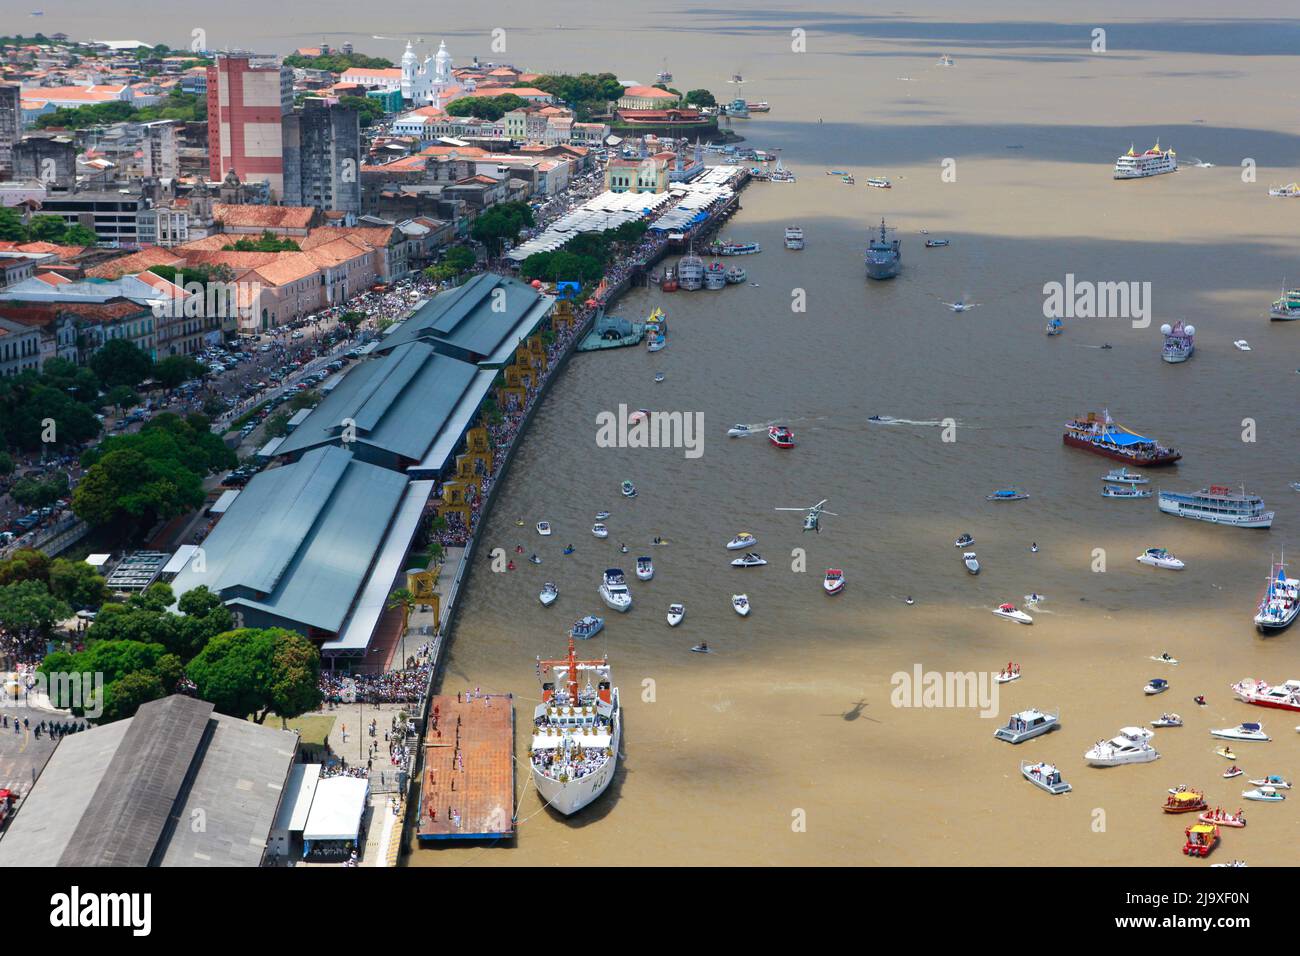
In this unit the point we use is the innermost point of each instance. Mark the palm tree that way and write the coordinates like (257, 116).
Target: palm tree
(404, 599)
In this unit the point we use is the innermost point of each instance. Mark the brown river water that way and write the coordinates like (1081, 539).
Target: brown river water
(782, 747)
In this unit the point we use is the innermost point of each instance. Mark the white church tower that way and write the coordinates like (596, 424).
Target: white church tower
(428, 83)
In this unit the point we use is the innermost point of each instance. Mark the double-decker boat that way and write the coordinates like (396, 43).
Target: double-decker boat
(1218, 504)
(1180, 342)
(1107, 437)
(1281, 602)
(1287, 307)
(690, 273)
(576, 731)
(794, 237)
(728, 248)
(1153, 162)
(1122, 476)
(1284, 696)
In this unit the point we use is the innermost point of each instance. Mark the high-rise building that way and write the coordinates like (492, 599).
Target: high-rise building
(11, 127)
(248, 100)
(322, 157)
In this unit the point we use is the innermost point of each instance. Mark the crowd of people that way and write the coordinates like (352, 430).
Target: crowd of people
(389, 687)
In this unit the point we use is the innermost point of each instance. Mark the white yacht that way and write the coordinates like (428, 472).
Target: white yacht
(794, 237)
(1246, 731)
(1218, 504)
(742, 540)
(972, 562)
(1122, 476)
(675, 614)
(1156, 685)
(544, 528)
(576, 730)
(740, 602)
(548, 594)
(600, 530)
(749, 559)
(739, 431)
(1285, 696)
(1281, 602)
(1160, 558)
(645, 568)
(1289, 191)
(1130, 746)
(1012, 613)
(614, 592)
(1027, 724)
(1153, 162)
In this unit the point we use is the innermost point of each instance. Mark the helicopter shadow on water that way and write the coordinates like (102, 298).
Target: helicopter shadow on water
(854, 713)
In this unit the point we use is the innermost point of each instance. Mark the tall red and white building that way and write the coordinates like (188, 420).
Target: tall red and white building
(248, 99)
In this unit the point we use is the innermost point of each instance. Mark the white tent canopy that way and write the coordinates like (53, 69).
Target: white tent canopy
(336, 809)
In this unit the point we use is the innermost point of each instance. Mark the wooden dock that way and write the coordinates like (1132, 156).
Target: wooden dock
(467, 791)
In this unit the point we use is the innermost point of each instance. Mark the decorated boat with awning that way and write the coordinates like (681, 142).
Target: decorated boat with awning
(1107, 437)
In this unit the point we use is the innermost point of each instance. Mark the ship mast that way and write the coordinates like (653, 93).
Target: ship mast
(572, 663)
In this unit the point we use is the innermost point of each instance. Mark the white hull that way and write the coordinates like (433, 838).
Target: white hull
(1020, 617)
(570, 797)
(1104, 759)
(621, 602)
(1264, 520)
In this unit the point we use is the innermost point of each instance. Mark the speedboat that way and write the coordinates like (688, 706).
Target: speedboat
(750, 559)
(702, 648)
(741, 604)
(935, 243)
(1125, 491)
(1011, 673)
(742, 540)
(548, 594)
(1231, 772)
(1223, 818)
(972, 563)
(614, 592)
(645, 568)
(600, 530)
(1160, 558)
(1026, 725)
(1242, 732)
(586, 627)
(544, 528)
(1284, 696)
(739, 431)
(1164, 658)
(1130, 746)
(602, 515)
(965, 541)
(659, 376)
(1242, 344)
(1167, 720)
(534, 559)
(1156, 685)
(780, 436)
(1264, 795)
(833, 583)
(1006, 494)
(1011, 613)
(1273, 780)
(1122, 476)
(629, 489)
(1045, 776)
(675, 614)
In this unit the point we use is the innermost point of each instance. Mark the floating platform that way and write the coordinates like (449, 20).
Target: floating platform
(612, 332)
(467, 791)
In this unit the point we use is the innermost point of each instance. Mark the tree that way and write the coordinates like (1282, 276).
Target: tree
(6, 464)
(40, 492)
(369, 110)
(123, 697)
(27, 609)
(404, 599)
(266, 242)
(459, 259)
(501, 223)
(700, 98)
(486, 107)
(11, 225)
(295, 676)
(119, 362)
(175, 370)
(120, 397)
(25, 564)
(250, 672)
(77, 583)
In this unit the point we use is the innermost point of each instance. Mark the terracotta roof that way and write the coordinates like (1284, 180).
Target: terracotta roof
(134, 263)
(284, 217)
(649, 92)
(288, 267)
(335, 253)
(375, 237)
(462, 152)
(63, 252)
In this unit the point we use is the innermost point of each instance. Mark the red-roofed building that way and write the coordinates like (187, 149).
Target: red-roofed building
(645, 98)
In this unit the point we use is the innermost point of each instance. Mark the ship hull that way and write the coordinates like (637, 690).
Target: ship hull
(883, 270)
(1150, 461)
(570, 797)
(1273, 626)
(1260, 521)
(1271, 704)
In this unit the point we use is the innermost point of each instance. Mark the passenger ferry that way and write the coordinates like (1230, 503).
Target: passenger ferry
(1154, 162)
(715, 276)
(576, 729)
(880, 182)
(1280, 603)
(1218, 504)
(1179, 342)
(1289, 191)
(1287, 308)
(1113, 440)
(794, 237)
(736, 276)
(690, 273)
(734, 248)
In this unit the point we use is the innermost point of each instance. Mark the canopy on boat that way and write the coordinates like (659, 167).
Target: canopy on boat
(1126, 439)
(1186, 795)
(1201, 828)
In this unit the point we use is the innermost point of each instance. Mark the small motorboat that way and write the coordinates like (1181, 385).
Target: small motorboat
(1012, 613)
(614, 591)
(1026, 725)
(1201, 839)
(1164, 658)
(544, 528)
(657, 344)
(659, 377)
(1248, 731)
(1045, 776)
(965, 541)
(1223, 818)
(1242, 344)
(622, 549)
(1264, 794)
(1160, 558)
(740, 602)
(548, 594)
(675, 614)
(1273, 780)
(1012, 672)
(1167, 720)
(972, 563)
(1125, 491)
(1122, 476)
(600, 530)
(702, 648)
(739, 431)
(780, 436)
(1055, 327)
(534, 559)
(602, 515)
(1233, 771)
(1006, 494)
(587, 627)
(1156, 685)
(936, 243)
(833, 583)
(519, 522)
(879, 182)
(750, 559)
(628, 489)
(645, 568)
(742, 540)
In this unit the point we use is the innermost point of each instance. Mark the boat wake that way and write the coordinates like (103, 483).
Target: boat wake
(931, 423)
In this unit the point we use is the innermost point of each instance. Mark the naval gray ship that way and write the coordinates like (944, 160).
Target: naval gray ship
(884, 258)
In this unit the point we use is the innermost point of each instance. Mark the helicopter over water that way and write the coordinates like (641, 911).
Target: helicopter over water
(812, 515)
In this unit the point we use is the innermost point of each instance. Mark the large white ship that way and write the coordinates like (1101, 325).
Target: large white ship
(1218, 504)
(575, 731)
(1153, 162)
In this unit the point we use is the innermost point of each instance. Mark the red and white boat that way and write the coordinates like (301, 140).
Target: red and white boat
(1223, 818)
(1282, 697)
(834, 582)
(780, 436)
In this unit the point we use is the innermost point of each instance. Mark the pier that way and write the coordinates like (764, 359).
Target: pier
(467, 786)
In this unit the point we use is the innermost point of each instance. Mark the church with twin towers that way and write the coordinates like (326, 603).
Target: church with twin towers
(429, 83)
